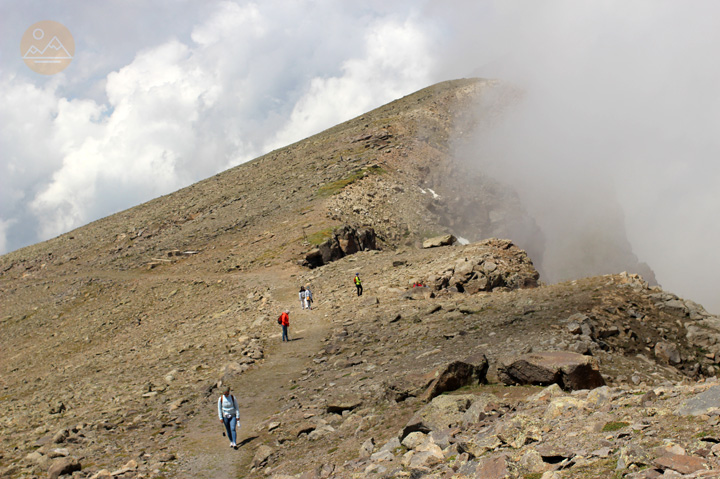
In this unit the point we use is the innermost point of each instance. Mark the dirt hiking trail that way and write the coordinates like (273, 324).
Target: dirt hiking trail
(204, 452)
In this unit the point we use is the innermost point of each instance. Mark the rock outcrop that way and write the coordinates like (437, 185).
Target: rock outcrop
(437, 241)
(486, 266)
(344, 241)
(568, 370)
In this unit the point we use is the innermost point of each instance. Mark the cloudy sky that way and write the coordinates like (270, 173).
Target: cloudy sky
(163, 93)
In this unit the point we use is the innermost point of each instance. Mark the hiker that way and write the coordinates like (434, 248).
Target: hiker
(284, 321)
(358, 284)
(229, 414)
(302, 296)
(308, 298)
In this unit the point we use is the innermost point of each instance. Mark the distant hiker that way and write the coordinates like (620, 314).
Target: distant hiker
(303, 297)
(358, 284)
(308, 298)
(229, 414)
(284, 321)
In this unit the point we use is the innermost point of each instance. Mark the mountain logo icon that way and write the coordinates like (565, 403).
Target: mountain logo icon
(47, 47)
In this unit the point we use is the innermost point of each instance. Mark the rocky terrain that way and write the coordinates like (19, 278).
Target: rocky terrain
(457, 361)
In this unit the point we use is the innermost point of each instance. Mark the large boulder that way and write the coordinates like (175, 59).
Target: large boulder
(437, 241)
(447, 411)
(668, 353)
(457, 374)
(63, 465)
(344, 241)
(704, 403)
(498, 466)
(570, 371)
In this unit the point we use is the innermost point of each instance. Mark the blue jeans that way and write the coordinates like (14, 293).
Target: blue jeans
(285, 334)
(230, 423)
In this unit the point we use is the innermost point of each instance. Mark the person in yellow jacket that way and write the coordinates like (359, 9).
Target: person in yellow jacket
(358, 284)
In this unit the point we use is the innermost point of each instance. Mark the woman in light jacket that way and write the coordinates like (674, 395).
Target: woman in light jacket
(229, 414)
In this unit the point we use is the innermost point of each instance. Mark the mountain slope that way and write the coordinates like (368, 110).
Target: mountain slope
(115, 335)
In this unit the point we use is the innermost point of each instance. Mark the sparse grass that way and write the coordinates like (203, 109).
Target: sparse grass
(335, 187)
(269, 254)
(319, 237)
(602, 468)
(614, 426)
(533, 475)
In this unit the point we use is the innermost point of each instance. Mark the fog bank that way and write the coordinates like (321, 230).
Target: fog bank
(614, 125)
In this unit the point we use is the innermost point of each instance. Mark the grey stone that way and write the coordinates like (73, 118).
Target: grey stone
(701, 404)
(668, 353)
(444, 240)
(63, 465)
(262, 455)
(367, 448)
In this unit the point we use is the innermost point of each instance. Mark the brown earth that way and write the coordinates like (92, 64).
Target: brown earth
(115, 336)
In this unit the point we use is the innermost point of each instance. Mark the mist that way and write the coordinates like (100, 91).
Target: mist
(611, 130)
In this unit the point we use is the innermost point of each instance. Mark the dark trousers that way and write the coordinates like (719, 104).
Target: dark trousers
(359, 289)
(285, 334)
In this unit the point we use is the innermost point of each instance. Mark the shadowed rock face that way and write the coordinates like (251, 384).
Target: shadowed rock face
(568, 370)
(344, 241)
(471, 371)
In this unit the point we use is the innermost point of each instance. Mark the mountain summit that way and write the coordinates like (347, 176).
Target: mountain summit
(458, 360)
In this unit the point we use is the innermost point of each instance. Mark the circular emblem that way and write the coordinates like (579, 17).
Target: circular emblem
(47, 47)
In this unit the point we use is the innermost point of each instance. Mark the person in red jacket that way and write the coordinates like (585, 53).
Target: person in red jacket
(284, 321)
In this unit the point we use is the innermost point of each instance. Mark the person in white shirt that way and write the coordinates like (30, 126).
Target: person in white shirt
(302, 297)
(229, 414)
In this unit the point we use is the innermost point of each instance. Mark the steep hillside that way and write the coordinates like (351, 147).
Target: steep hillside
(115, 336)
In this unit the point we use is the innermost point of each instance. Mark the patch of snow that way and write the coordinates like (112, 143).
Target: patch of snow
(462, 240)
(435, 195)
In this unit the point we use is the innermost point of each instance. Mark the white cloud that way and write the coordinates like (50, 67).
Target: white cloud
(397, 61)
(245, 77)
(4, 224)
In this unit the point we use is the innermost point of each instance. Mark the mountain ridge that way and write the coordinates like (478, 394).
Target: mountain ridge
(115, 336)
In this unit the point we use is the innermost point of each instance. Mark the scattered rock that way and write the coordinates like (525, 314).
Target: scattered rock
(165, 457)
(667, 353)
(262, 455)
(63, 465)
(633, 455)
(681, 463)
(437, 241)
(60, 436)
(496, 467)
(367, 448)
(701, 404)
